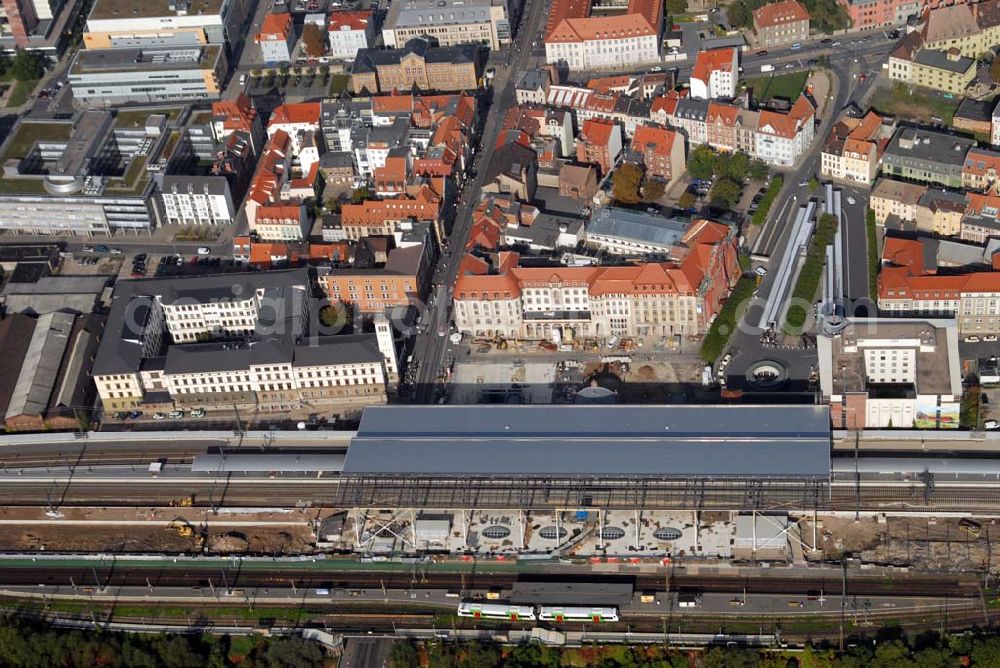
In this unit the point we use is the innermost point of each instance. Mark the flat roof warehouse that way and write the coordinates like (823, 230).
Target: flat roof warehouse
(592, 441)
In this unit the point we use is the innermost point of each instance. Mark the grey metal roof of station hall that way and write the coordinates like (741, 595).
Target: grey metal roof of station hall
(608, 441)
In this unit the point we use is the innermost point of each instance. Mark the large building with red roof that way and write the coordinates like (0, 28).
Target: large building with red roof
(715, 74)
(781, 23)
(648, 299)
(907, 288)
(586, 42)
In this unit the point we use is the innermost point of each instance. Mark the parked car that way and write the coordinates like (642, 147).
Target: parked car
(197, 413)
(175, 415)
(204, 250)
(851, 200)
(760, 271)
(991, 425)
(159, 416)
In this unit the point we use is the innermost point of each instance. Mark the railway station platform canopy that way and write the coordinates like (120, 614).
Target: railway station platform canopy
(592, 440)
(733, 457)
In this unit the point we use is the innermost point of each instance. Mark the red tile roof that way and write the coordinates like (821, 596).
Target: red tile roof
(303, 112)
(711, 61)
(348, 21)
(597, 132)
(279, 25)
(659, 140)
(570, 21)
(780, 13)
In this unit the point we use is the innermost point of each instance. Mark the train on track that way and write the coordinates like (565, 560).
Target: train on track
(512, 612)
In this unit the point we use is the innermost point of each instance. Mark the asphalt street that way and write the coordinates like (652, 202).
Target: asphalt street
(431, 346)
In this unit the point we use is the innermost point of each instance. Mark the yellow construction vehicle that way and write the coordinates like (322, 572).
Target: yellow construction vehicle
(187, 501)
(182, 527)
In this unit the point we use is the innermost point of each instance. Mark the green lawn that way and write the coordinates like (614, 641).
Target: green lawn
(911, 103)
(21, 93)
(29, 133)
(338, 83)
(778, 85)
(133, 118)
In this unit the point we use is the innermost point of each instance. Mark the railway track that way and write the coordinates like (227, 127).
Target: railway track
(122, 574)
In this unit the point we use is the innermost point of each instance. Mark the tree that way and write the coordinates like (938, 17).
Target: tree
(293, 652)
(701, 162)
(687, 200)
(625, 183)
(758, 170)
(725, 193)
(734, 166)
(26, 66)
(652, 190)
(360, 195)
(813, 183)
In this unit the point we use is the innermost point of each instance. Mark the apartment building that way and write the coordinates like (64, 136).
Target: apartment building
(895, 198)
(715, 74)
(195, 200)
(591, 42)
(349, 32)
(776, 137)
(402, 281)
(281, 222)
(233, 341)
(418, 65)
(853, 150)
(586, 104)
(382, 217)
(662, 152)
(926, 156)
(905, 289)
(781, 23)
(276, 38)
(448, 22)
(869, 14)
(237, 115)
(912, 63)
(599, 143)
(782, 137)
(882, 373)
(981, 221)
(532, 86)
(650, 299)
(981, 170)
(940, 212)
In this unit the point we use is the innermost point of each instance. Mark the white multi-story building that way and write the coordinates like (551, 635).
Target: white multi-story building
(276, 38)
(585, 42)
(282, 222)
(349, 31)
(653, 299)
(884, 373)
(782, 138)
(234, 340)
(448, 22)
(196, 200)
(715, 74)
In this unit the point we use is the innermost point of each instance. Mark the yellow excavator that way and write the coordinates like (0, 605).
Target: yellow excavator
(184, 529)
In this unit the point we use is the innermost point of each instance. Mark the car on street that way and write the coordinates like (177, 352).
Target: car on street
(88, 249)
(851, 200)
(762, 52)
(197, 413)
(204, 250)
(990, 338)
(175, 415)
(101, 249)
(159, 416)
(804, 182)
(789, 66)
(760, 271)
(972, 339)
(795, 46)
(121, 415)
(991, 425)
